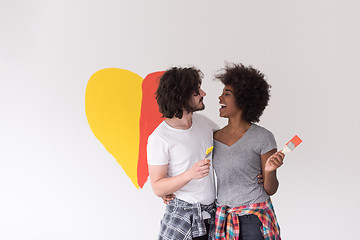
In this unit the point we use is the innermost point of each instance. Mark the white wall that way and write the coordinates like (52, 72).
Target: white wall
(58, 182)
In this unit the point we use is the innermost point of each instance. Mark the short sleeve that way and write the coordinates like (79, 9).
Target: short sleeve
(268, 142)
(157, 151)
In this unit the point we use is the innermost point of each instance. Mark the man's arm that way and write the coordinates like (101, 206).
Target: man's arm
(163, 185)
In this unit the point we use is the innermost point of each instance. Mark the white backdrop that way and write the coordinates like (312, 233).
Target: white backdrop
(58, 182)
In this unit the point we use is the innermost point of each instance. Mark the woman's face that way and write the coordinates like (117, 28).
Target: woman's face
(227, 102)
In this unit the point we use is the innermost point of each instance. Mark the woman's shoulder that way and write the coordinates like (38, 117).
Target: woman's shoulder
(219, 133)
(261, 130)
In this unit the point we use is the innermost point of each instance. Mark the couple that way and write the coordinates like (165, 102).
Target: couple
(242, 151)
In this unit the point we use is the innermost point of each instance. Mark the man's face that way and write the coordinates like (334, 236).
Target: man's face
(196, 101)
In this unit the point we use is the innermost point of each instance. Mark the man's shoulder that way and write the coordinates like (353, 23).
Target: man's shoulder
(202, 118)
(205, 121)
(158, 131)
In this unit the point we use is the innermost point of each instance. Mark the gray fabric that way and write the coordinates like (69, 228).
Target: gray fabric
(183, 221)
(237, 167)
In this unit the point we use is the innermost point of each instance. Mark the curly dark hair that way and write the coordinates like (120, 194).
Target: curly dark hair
(176, 87)
(251, 91)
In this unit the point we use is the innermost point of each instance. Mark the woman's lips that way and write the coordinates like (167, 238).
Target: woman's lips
(222, 107)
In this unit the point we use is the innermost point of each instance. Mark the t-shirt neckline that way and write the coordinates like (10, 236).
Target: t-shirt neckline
(239, 140)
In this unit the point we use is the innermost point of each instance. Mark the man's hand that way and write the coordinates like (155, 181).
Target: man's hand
(200, 169)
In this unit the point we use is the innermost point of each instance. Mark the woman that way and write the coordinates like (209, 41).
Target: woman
(242, 150)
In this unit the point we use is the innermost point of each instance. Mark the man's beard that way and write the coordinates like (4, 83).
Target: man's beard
(198, 107)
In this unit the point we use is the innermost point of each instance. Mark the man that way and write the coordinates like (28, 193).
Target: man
(176, 152)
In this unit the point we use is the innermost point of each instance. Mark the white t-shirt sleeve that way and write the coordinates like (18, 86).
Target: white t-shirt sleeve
(157, 151)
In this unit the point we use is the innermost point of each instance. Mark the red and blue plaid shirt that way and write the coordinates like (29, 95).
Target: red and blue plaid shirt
(264, 211)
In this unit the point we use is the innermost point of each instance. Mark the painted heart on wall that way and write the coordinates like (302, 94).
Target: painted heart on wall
(122, 112)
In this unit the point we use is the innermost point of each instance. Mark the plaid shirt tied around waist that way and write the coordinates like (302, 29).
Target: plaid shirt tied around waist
(264, 211)
(183, 220)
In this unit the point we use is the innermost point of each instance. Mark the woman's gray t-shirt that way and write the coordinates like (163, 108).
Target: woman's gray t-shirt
(237, 167)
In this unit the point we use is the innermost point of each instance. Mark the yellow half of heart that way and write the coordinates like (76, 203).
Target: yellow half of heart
(112, 105)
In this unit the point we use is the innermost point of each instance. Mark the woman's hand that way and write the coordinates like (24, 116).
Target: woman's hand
(274, 161)
(167, 198)
(260, 179)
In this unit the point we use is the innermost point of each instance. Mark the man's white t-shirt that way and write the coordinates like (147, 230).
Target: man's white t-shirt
(181, 149)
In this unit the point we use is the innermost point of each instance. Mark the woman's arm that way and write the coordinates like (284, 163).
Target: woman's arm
(271, 161)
